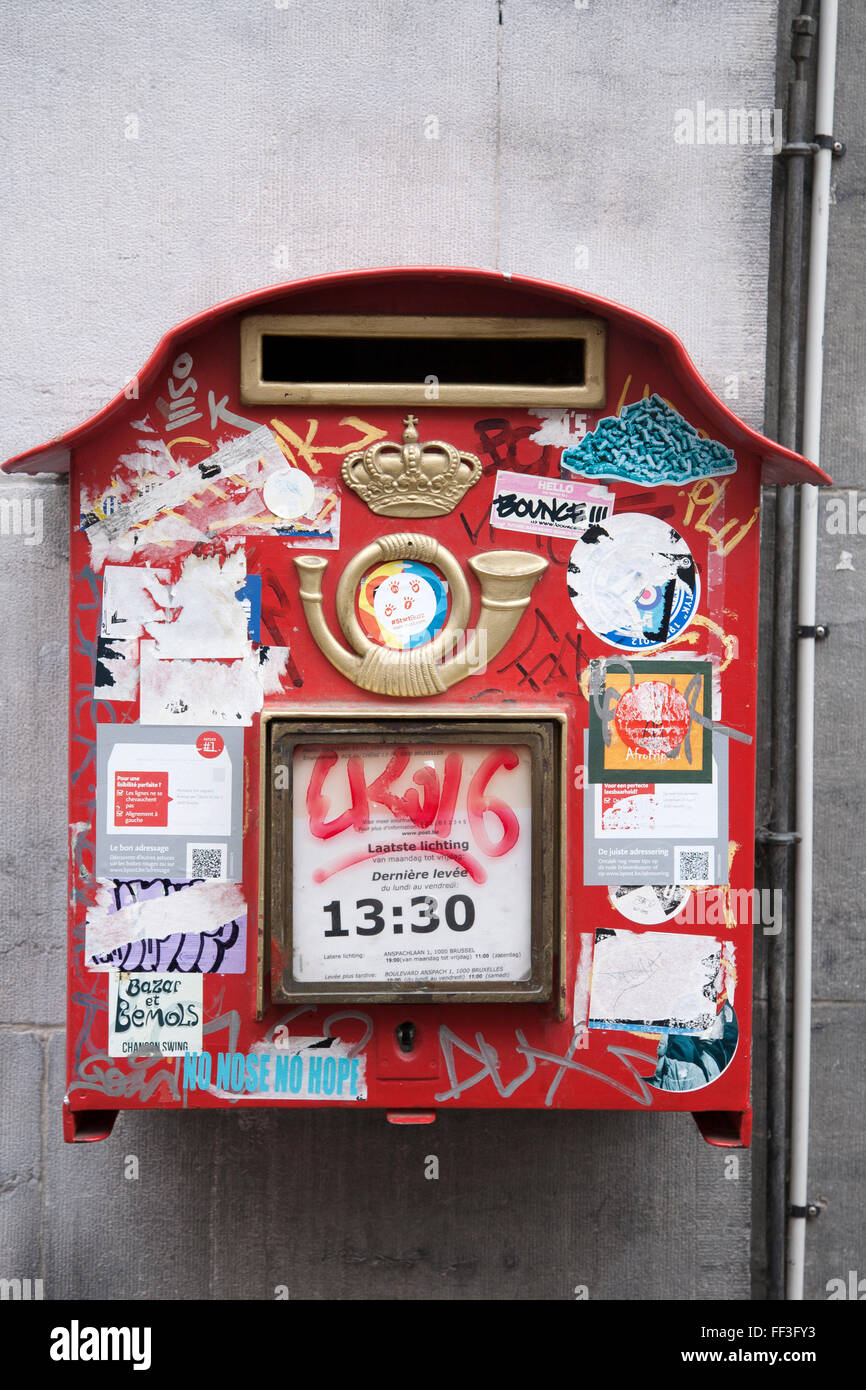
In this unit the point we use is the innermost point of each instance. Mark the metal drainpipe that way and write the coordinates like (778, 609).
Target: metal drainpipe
(779, 842)
(808, 556)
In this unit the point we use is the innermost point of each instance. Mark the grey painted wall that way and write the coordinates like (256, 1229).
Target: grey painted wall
(837, 1240)
(165, 157)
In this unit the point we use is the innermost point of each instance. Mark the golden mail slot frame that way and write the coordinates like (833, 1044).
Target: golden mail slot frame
(572, 349)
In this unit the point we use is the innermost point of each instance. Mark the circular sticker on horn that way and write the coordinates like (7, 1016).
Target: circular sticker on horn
(633, 581)
(402, 604)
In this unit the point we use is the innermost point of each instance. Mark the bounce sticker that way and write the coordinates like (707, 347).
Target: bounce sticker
(548, 506)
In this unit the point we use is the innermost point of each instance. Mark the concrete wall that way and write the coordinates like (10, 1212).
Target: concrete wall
(165, 157)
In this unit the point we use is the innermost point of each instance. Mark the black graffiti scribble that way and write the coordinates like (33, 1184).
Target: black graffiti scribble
(565, 659)
(555, 559)
(541, 543)
(661, 512)
(540, 621)
(499, 441)
(160, 956)
(109, 649)
(643, 501)
(467, 526)
(156, 954)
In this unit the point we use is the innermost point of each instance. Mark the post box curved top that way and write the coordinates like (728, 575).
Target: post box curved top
(435, 291)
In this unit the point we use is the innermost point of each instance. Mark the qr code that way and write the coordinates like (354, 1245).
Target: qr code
(693, 864)
(206, 861)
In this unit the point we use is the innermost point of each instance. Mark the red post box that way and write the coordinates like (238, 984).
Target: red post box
(412, 711)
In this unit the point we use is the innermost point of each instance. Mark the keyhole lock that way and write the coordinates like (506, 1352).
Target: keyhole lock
(405, 1033)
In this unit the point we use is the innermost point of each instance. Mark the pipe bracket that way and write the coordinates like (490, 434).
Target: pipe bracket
(830, 142)
(798, 147)
(819, 142)
(763, 836)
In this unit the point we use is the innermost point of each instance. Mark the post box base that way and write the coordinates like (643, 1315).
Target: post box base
(725, 1129)
(87, 1126)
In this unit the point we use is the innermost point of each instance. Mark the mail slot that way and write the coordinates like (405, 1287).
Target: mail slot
(413, 676)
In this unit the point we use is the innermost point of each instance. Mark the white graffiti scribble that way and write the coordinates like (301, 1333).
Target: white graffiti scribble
(490, 1066)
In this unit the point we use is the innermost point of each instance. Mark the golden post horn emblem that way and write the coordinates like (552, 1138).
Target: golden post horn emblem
(507, 578)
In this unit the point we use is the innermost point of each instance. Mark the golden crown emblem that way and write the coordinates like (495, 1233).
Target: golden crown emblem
(412, 480)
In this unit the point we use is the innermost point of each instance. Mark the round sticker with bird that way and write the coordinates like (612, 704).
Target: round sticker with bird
(633, 581)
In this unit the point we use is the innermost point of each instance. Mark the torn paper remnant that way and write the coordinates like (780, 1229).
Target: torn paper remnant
(204, 907)
(127, 603)
(208, 692)
(657, 981)
(204, 617)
